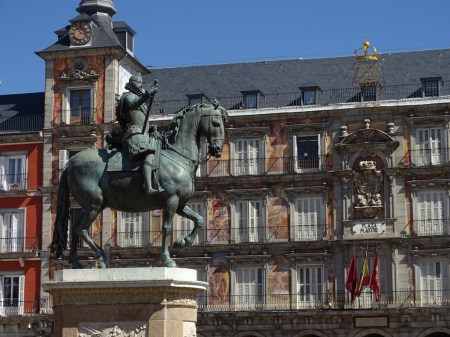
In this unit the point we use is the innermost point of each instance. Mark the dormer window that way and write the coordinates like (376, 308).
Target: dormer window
(125, 35)
(369, 93)
(309, 95)
(430, 87)
(195, 99)
(250, 100)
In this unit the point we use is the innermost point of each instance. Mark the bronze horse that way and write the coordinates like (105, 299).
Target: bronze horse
(89, 182)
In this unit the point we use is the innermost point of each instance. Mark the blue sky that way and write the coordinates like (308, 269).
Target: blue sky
(175, 33)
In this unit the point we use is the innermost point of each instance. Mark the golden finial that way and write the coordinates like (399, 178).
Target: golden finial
(366, 55)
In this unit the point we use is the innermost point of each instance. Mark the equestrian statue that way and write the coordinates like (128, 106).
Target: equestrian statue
(142, 170)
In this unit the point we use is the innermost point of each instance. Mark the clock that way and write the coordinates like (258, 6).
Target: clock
(80, 33)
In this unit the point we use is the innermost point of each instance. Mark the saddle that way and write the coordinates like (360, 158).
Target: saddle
(119, 161)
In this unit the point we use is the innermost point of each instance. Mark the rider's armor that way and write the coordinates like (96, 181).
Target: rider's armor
(131, 113)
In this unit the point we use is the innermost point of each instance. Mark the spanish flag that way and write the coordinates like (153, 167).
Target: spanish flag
(364, 278)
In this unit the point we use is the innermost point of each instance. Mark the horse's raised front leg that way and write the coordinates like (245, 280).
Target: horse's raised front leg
(168, 213)
(189, 213)
(87, 219)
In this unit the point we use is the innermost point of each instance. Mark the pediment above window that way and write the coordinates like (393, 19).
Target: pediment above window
(428, 121)
(248, 131)
(260, 193)
(429, 184)
(294, 192)
(372, 138)
(306, 128)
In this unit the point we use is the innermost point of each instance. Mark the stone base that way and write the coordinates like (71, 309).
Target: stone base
(139, 302)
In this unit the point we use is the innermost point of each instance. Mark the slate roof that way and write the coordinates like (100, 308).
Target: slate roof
(22, 112)
(287, 76)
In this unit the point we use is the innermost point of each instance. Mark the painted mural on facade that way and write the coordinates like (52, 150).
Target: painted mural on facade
(278, 280)
(219, 285)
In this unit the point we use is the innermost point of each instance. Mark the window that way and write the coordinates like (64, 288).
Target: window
(11, 295)
(247, 157)
(183, 226)
(309, 96)
(429, 147)
(431, 213)
(430, 88)
(433, 281)
(249, 289)
(195, 99)
(249, 221)
(369, 93)
(310, 287)
(307, 153)
(309, 218)
(80, 107)
(130, 231)
(250, 100)
(12, 172)
(12, 226)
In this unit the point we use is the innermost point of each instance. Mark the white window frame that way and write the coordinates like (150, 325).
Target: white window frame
(66, 111)
(248, 156)
(133, 226)
(430, 145)
(310, 293)
(431, 212)
(308, 163)
(12, 310)
(310, 223)
(249, 220)
(12, 224)
(13, 180)
(183, 226)
(249, 290)
(432, 278)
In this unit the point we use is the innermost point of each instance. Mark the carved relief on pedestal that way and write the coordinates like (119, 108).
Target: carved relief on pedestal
(368, 182)
(128, 329)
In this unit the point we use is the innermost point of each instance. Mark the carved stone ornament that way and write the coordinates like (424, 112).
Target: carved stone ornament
(112, 329)
(368, 183)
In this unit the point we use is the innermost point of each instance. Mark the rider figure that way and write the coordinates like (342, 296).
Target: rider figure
(131, 113)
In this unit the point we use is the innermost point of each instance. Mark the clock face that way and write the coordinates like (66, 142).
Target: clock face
(80, 33)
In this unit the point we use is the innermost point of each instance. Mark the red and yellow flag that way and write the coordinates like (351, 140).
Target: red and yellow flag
(364, 278)
(375, 279)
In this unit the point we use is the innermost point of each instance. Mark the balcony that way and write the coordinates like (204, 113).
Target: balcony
(78, 117)
(431, 227)
(430, 157)
(19, 244)
(324, 301)
(261, 166)
(327, 97)
(14, 182)
(22, 124)
(13, 308)
(225, 236)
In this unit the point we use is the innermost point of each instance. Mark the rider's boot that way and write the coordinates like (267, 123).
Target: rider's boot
(147, 170)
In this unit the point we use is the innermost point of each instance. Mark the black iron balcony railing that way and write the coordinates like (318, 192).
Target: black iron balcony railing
(323, 97)
(13, 308)
(262, 166)
(323, 301)
(14, 182)
(78, 117)
(430, 157)
(22, 124)
(224, 236)
(19, 244)
(431, 227)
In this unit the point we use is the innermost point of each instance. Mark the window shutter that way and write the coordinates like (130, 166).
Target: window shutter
(63, 158)
(2, 309)
(3, 182)
(21, 294)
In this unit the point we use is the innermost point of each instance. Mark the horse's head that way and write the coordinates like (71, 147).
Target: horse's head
(211, 126)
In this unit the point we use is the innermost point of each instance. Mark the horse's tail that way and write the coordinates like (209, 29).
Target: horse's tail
(59, 241)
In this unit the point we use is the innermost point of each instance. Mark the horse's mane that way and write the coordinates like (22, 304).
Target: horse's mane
(175, 123)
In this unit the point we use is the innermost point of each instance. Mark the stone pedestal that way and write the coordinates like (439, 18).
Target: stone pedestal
(122, 302)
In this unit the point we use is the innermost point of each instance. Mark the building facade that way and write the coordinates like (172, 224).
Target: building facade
(21, 121)
(324, 160)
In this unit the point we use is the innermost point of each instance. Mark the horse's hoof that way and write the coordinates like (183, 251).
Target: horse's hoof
(180, 243)
(168, 262)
